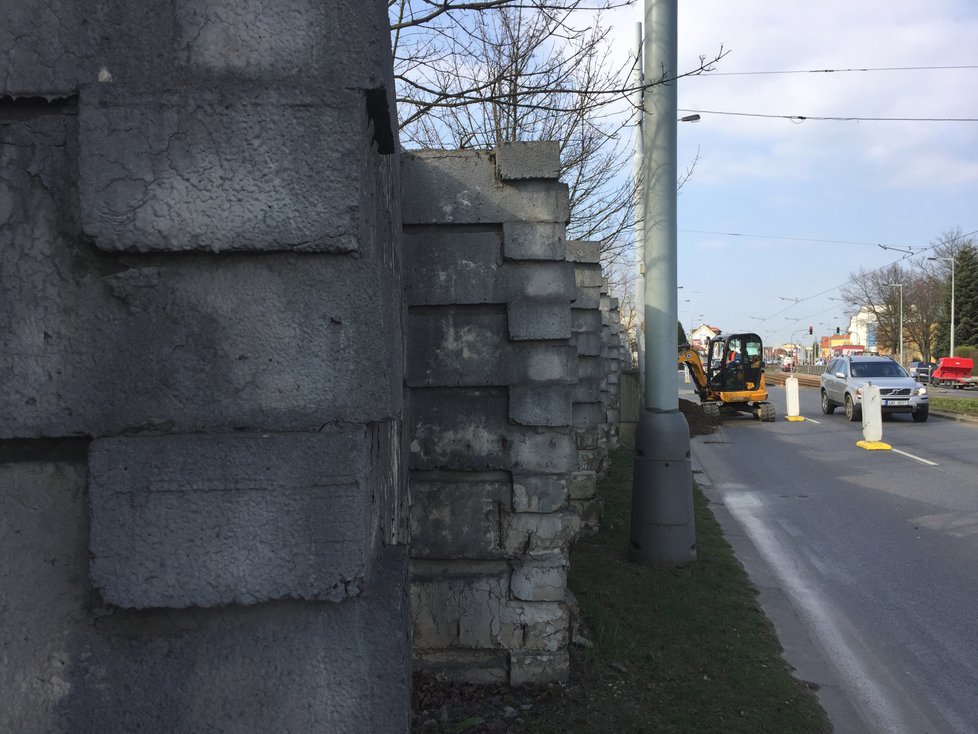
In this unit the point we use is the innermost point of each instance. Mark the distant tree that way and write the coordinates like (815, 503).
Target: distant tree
(966, 296)
(871, 290)
(965, 253)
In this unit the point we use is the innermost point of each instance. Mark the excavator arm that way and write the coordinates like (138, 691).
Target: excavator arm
(689, 357)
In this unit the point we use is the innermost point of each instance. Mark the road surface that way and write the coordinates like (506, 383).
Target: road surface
(876, 551)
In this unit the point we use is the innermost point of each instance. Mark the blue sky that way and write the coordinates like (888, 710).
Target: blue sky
(901, 184)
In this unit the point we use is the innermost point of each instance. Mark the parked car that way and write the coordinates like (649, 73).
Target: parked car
(921, 371)
(845, 377)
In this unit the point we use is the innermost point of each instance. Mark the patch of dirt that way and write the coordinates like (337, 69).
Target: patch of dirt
(699, 424)
(583, 704)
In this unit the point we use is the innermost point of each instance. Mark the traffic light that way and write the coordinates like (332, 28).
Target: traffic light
(836, 329)
(810, 330)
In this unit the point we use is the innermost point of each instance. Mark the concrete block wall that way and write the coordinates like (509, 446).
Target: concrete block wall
(590, 413)
(492, 374)
(202, 352)
(611, 332)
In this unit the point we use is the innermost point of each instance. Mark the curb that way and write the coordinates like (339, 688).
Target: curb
(954, 417)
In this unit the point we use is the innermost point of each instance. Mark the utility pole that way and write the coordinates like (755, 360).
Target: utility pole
(638, 96)
(662, 531)
(900, 286)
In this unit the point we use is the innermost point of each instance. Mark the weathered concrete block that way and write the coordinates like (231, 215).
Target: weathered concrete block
(45, 48)
(458, 605)
(44, 543)
(539, 626)
(95, 345)
(206, 171)
(468, 345)
(611, 353)
(122, 352)
(468, 430)
(540, 405)
(592, 459)
(583, 251)
(539, 159)
(547, 363)
(587, 298)
(542, 281)
(539, 492)
(534, 580)
(206, 520)
(589, 344)
(61, 46)
(543, 451)
(588, 414)
(534, 533)
(539, 320)
(586, 391)
(587, 439)
(588, 276)
(490, 667)
(457, 516)
(448, 268)
(461, 187)
(585, 321)
(590, 368)
(534, 241)
(538, 668)
(583, 485)
(590, 513)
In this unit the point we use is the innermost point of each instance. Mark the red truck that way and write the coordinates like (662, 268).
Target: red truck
(953, 372)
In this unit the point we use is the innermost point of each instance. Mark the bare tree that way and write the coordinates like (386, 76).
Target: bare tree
(923, 297)
(477, 74)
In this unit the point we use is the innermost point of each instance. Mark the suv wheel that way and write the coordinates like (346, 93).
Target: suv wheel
(853, 412)
(920, 415)
(828, 407)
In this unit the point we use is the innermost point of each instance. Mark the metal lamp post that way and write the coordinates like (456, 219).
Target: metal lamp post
(950, 260)
(900, 286)
(662, 531)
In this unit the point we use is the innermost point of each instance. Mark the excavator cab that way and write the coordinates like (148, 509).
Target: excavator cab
(732, 380)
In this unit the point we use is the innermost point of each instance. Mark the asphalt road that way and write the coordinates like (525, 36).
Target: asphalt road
(876, 553)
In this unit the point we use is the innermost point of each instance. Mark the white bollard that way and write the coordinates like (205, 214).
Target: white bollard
(791, 397)
(872, 419)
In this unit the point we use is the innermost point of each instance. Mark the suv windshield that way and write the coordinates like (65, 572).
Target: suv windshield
(877, 369)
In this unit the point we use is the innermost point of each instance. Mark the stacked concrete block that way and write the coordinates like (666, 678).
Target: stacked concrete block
(492, 375)
(612, 353)
(201, 484)
(590, 413)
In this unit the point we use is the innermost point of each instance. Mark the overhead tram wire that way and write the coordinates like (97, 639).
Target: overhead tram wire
(794, 239)
(837, 71)
(875, 270)
(829, 118)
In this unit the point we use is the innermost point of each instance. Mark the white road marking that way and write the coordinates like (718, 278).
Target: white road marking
(873, 697)
(915, 458)
(812, 420)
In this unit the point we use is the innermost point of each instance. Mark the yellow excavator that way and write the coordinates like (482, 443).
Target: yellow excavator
(733, 379)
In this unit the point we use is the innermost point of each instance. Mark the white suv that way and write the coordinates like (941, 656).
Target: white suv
(845, 377)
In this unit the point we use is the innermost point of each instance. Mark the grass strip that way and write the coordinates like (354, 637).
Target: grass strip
(685, 650)
(964, 406)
